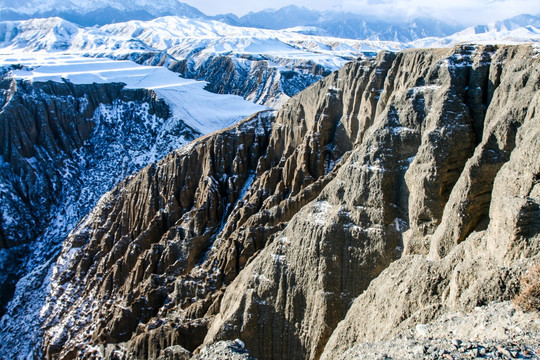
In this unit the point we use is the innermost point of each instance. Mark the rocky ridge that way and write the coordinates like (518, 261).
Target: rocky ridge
(65, 144)
(394, 191)
(274, 191)
(165, 236)
(255, 78)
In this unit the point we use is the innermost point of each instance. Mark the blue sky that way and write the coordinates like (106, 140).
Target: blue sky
(464, 11)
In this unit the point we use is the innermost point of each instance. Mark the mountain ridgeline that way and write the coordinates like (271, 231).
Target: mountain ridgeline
(255, 78)
(101, 12)
(344, 24)
(263, 66)
(330, 23)
(390, 193)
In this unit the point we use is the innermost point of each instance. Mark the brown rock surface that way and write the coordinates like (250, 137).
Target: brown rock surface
(288, 231)
(486, 265)
(299, 287)
(147, 234)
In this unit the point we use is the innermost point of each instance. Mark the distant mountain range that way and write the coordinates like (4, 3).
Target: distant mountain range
(337, 24)
(310, 22)
(261, 65)
(229, 58)
(99, 12)
(519, 29)
(343, 24)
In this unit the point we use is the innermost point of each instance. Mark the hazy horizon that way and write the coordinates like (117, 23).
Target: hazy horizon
(467, 12)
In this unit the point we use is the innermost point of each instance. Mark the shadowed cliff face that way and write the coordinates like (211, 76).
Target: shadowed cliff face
(63, 145)
(381, 182)
(158, 227)
(44, 125)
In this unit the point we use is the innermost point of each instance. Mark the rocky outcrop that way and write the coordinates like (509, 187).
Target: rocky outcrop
(158, 226)
(228, 230)
(224, 350)
(396, 188)
(44, 125)
(494, 331)
(371, 201)
(63, 146)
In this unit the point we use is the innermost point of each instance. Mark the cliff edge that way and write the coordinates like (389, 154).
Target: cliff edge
(388, 195)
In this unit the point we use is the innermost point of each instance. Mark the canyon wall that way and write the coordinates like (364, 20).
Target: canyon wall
(389, 193)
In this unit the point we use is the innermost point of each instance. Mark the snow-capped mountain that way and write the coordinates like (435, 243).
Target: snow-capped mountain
(326, 23)
(331, 23)
(288, 16)
(519, 29)
(263, 66)
(345, 25)
(96, 12)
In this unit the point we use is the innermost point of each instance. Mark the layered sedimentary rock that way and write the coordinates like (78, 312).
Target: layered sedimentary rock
(394, 190)
(274, 190)
(478, 266)
(159, 226)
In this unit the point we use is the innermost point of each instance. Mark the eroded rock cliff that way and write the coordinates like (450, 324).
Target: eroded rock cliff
(391, 192)
(63, 145)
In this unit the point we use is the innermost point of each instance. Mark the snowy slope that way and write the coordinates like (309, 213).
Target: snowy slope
(153, 7)
(520, 29)
(263, 66)
(203, 111)
(347, 25)
(180, 37)
(90, 13)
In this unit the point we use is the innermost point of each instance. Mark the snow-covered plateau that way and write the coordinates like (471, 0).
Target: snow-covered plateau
(263, 66)
(203, 111)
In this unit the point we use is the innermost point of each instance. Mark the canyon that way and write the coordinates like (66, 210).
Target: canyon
(394, 191)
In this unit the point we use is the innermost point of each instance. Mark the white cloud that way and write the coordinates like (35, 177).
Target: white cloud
(463, 11)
